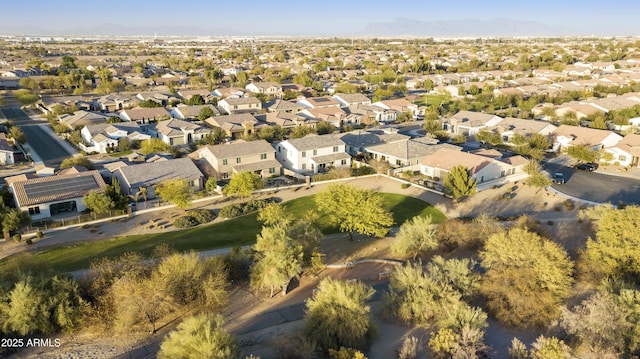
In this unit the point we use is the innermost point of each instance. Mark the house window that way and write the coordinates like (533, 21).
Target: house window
(304, 166)
(398, 163)
(225, 162)
(304, 154)
(235, 107)
(263, 156)
(279, 148)
(238, 159)
(34, 210)
(622, 158)
(272, 170)
(343, 162)
(225, 175)
(192, 183)
(501, 173)
(315, 152)
(336, 148)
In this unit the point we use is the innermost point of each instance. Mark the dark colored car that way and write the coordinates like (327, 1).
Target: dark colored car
(589, 167)
(558, 178)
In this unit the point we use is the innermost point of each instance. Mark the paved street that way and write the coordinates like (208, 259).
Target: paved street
(597, 187)
(47, 147)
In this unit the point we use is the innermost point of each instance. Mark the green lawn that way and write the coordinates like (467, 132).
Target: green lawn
(233, 232)
(434, 100)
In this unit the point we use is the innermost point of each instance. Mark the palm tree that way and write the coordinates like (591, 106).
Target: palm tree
(142, 191)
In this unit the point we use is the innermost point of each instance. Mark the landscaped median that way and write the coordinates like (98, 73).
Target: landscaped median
(228, 233)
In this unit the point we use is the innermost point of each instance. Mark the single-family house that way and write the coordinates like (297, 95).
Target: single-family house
(268, 88)
(186, 95)
(177, 132)
(509, 127)
(626, 152)
(313, 153)
(150, 174)
(358, 141)
(567, 136)
(469, 123)
(241, 156)
(483, 169)
(406, 154)
(236, 126)
(319, 102)
(229, 92)
(102, 137)
(82, 118)
(333, 115)
(352, 99)
(186, 112)
(111, 103)
(369, 114)
(7, 151)
(287, 120)
(279, 105)
(45, 197)
(157, 97)
(233, 106)
(400, 105)
(145, 115)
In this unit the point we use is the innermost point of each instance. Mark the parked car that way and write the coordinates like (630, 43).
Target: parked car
(589, 167)
(558, 178)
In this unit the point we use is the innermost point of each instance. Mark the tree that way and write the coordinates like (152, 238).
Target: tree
(149, 103)
(537, 177)
(242, 184)
(215, 137)
(415, 238)
(195, 100)
(139, 301)
(278, 260)
(187, 279)
(337, 315)
(98, 202)
(527, 277)
(491, 137)
(211, 184)
(18, 135)
(614, 252)
(25, 311)
(460, 274)
(460, 182)
(324, 127)
(552, 347)
(25, 97)
(275, 215)
(202, 336)
(416, 298)
(153, 145)
(346, 353)
(598, 323)
(300, 132)
(205, 113)
(81, 161)
(582, 153)
(12, 219)
(355, 210)
(176, 191)
(271, 133)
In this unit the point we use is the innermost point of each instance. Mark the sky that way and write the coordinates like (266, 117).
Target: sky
(287, 17)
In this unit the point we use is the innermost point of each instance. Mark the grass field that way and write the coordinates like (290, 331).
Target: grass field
(233, 232)
(434, 100)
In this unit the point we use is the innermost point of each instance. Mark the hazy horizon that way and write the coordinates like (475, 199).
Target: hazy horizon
(328, 18)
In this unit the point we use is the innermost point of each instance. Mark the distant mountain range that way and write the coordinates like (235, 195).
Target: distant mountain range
(480, 28)
(401, 27)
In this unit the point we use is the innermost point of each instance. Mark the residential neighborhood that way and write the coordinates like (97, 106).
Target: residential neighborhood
(239, 183)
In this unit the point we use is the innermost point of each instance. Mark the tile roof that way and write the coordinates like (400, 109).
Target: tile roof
(311, 142)
(56, 188)
(630, 144)
(583, 135)
(240, 148)
(409, 149)
(149, 174)
(446, 159)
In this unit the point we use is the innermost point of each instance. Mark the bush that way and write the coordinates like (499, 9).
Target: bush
(17, 237)
(201, 215)
(239, 209)
(568, 204)
(363, 171)
(39, 234)
(550, 222)
(405, 185)
(28, 241)
(185, 222)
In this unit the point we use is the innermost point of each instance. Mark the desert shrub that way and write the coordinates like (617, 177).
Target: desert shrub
(17, 237)
(201, 215)
(405, 185)
(363, 171)
(39, 234)
(185, 222)
(239, 209)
